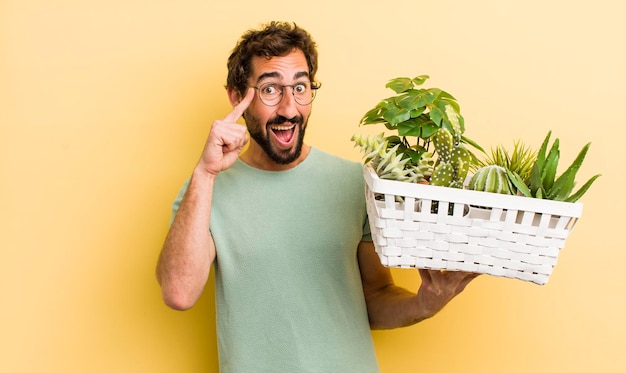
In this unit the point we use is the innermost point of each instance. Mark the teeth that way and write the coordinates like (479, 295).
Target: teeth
(281, 128)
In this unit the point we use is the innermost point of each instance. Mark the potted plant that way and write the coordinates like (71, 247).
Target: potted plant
(516, 231)
(428, 144)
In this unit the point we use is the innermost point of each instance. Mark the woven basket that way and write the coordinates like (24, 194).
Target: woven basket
(425, 226)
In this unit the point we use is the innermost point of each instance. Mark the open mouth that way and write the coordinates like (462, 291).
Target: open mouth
(284, 133)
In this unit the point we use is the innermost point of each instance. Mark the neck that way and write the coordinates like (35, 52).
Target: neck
(255, 156)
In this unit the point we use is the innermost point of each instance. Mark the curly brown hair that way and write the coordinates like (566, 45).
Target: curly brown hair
(273, 40)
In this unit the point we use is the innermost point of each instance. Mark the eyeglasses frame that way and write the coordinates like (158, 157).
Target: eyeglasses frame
(314, 87)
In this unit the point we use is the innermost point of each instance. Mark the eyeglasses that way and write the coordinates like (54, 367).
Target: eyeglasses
(271, 94)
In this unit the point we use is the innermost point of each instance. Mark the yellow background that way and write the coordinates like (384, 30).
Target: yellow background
(105, 106)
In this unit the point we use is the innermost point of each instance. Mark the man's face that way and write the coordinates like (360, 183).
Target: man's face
(279, 130)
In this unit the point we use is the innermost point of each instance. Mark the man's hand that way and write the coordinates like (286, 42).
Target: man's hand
(391, 306)
(226, 139)
(440, 287)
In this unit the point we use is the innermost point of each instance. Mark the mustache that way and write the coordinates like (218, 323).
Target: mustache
(281, 120)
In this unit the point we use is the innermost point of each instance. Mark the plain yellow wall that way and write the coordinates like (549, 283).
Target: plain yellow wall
(105, 106)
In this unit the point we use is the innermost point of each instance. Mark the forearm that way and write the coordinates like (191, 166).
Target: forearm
(186, 257)
(390, 306)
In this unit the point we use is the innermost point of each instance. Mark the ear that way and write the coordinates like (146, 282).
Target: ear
(233, 96)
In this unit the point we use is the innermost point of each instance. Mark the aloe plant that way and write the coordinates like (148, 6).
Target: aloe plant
(543, 182)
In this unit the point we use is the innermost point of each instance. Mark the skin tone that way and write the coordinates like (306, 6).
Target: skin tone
(189, 250)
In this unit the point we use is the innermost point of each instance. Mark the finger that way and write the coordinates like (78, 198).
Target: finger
(236, 143)
(240, 107)
(464, 278)
(426, 275)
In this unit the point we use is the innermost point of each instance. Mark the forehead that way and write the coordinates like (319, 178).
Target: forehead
(285, 68)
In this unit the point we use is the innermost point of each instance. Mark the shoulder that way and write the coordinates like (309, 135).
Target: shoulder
(336, 170)
(335, 163)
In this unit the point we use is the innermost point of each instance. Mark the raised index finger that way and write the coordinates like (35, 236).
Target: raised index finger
(240, 107)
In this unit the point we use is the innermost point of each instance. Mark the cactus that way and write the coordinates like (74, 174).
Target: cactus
(493, 173)
(453, 162)
(492, 178)
(520, 160)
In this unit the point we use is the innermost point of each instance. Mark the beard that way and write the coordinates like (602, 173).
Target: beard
(263, 138)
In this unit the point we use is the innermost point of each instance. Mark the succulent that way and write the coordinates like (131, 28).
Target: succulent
(453, 163)
(492, 173)
(389, 163)
(426, 116)
(520, 160)
(543, 181)
(492, 178)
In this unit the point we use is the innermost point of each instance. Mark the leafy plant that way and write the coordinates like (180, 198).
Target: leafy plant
(425, 115)
(543, 182)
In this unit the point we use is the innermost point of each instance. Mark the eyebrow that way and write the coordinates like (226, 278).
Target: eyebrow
(274, 74)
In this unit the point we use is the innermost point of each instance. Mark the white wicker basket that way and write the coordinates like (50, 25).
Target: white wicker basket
(425, 226)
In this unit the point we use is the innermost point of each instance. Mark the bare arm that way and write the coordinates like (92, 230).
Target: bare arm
(185, 260)
(390, 306)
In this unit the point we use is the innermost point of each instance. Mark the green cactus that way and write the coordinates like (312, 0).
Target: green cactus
(492, 178)
(453, 163)
(443, 174)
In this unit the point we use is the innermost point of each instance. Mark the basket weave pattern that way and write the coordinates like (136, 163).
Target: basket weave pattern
(425, 226)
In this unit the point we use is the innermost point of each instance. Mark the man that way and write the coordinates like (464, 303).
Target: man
(298, 282)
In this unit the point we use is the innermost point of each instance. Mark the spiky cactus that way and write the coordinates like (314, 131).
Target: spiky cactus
(453, 160)
(492, 178)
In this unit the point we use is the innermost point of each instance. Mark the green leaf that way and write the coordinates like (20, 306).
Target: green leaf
(436, 115)
(421, 127)
(412, 99)
(432, 95)
(579, 159)
(550, 167)
(448, 101)
(395, 115)
(400, 85)
(419, 80)
(417, 112)
(567, 179)
(471, 142)
(447, 96)
(537, 171)
(412, 127)
(518, 183)
(428, 129)
(393, 141)
(373, 116)
(415, 155)
(583, 189)
(539, 193)
(560, 191)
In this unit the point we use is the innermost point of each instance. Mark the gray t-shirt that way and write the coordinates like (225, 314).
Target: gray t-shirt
(288, 288)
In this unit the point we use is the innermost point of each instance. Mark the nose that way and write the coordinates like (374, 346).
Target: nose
(287, 107)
